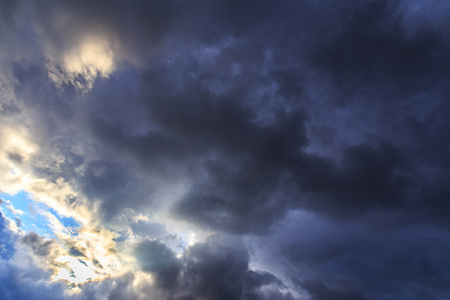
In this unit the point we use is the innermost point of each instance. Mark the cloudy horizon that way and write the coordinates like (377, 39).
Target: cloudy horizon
(225, 150)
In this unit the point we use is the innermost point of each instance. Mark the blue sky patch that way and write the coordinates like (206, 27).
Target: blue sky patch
(21, 206)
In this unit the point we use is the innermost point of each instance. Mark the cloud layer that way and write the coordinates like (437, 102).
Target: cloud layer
(225, 150)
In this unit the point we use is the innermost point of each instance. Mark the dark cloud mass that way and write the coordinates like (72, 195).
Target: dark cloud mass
(236, 149)
(216, 269)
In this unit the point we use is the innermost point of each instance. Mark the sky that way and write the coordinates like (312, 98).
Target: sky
(180, 150)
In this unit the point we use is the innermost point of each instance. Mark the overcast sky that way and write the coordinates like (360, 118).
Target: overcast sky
(181, 150)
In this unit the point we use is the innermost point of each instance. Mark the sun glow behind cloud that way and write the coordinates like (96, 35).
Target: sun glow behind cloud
(53, 208)
(83, 254)
(90, 255)
(93, 57)
(197, 149)
(75, 271)
(16, 150)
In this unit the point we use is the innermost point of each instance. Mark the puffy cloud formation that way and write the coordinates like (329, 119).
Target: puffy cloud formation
(224, 149)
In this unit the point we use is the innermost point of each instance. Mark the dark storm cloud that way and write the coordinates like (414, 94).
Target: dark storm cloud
(240, 132)
(397, 69)
(345, 260)
(219, 269)
(249, 163)
(194, 123)
(142, 28)
(158, 259)
(319, 291)
(196, 131)
(115, 184)
(259, 109)
(216, 269)
(374, 49)
(366, 178)
(248, 172)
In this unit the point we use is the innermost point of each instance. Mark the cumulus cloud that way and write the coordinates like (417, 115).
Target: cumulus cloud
(215, 269)
(158, 259)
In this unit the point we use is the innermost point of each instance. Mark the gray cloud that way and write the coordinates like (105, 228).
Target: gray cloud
(216, 269)
(74, 251)
(219, 269)
(158, 259)
(38, 244)
(232, 117)
(27, 283)
(22, 278)
(359, 260)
